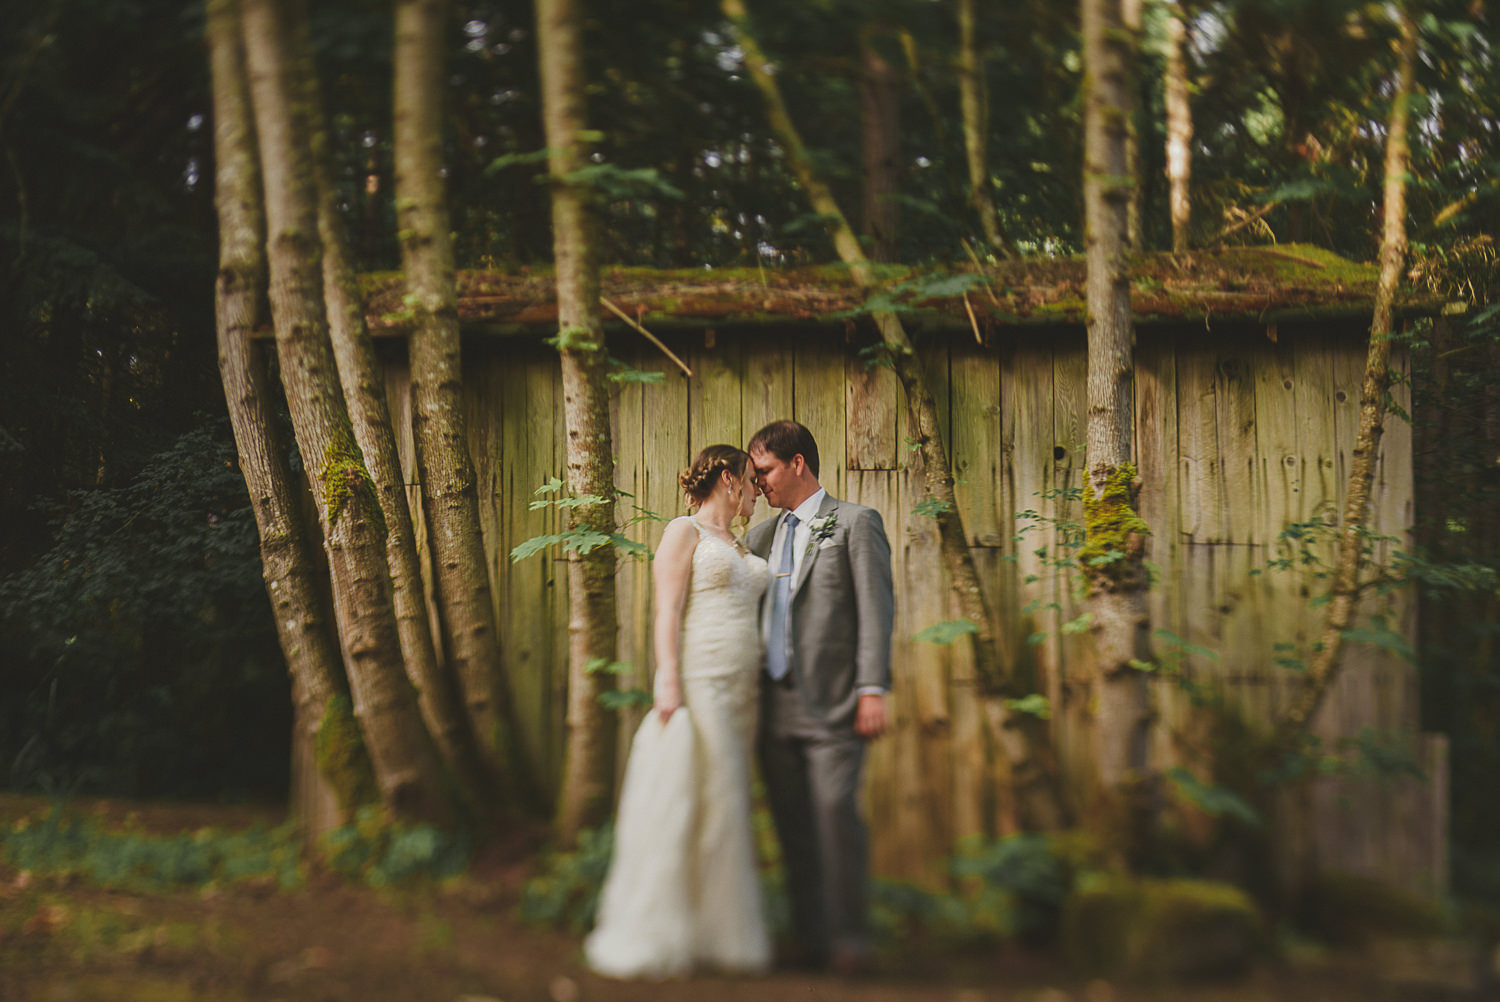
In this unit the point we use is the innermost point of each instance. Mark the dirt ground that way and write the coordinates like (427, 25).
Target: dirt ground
(333, 941)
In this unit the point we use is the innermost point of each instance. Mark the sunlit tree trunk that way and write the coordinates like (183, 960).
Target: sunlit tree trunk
(405, 763)
(1039, 803)
(1179, 130)
(880, 123)
(973, 102)
(302, 624)
(363, 383)
(1345, 593)
(588, 761)
(1114, 542)
(449, 493)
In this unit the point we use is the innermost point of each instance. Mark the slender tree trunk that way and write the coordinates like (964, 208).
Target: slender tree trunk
(973, 103)
(302, 621)
(1344, 600)
(1112, 556)
(1130, 20)
(588, 762)
(1039, 803)
(880, 122)
(1179, 130)
(369, 412)
(406, 766)
(451, 499)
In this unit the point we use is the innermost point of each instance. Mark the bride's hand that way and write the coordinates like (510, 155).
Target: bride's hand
(668, 697)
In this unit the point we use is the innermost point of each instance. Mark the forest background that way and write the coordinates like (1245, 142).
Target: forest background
(133, 615)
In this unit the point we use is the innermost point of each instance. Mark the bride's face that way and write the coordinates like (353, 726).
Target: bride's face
(749, 491)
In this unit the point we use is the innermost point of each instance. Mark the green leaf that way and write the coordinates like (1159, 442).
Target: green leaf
(1079, 625)
(931, 507)
(599, 665)
(1216, 801)
(552, 486)
(1035, 704)
(626, 544)
(1145, 666)
(1383, 638)
(531, 547)
(1036, 638)
(946, 632)
(515, 159)
(619, 699)
(1171, 639)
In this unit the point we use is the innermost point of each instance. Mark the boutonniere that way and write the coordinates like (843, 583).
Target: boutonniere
(821, 528)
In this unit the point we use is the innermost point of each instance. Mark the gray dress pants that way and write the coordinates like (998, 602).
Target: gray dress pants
(812, 778)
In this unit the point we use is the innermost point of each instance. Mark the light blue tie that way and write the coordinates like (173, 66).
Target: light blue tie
(781, 594)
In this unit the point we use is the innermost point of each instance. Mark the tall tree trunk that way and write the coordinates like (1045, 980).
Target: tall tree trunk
(1130, 20)
(406, 766)
(302, 622)
(1039, 803)
(1114, 541)
(369, 412)
(1345, 593)
(588, 762)
(880, 125)
(449, 493)
(973, 103)
(1179, 130)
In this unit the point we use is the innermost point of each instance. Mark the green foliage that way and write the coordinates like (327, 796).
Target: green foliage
(141, 630)
(581, 538)
(931, 508)
(380, 853)
(1034, 704)
(945, 632)
(1215, 801)
(1004, 889)
(1160, 929)
(140, 862)
(564, 892)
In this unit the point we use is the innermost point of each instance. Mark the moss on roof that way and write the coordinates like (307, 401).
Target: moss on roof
(1244, 283)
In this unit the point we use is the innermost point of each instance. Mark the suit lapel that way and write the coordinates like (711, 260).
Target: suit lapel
(829, 505)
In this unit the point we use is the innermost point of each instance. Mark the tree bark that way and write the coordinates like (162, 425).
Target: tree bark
(1179, 130)
(406, 766)
(302, 621)
(1113, 551)
(973, 103)
(363, 384)
(1130, 20)
(1043, 804)
(450, 497)
(880, 122)
(588, 761)
(1345, 593)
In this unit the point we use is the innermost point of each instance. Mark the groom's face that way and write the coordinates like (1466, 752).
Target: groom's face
(780, 481)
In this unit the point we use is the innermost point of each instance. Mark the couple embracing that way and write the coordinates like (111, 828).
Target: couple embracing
(778, 644)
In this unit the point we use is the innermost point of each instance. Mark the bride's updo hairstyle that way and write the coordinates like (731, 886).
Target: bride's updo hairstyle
(698, 481)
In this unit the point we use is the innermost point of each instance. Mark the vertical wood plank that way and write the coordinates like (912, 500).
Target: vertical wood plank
(767, 392)
(873, 395)
(1072, 717)
(819, 401)
(714, 398)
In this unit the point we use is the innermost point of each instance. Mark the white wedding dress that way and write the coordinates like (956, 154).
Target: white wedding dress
(682, 891)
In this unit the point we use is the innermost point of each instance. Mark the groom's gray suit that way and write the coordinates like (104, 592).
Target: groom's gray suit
(838, 645)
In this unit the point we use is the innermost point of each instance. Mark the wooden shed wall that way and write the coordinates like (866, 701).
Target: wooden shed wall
(1240, 430)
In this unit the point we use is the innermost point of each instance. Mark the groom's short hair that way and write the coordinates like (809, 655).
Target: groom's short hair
(785, 439)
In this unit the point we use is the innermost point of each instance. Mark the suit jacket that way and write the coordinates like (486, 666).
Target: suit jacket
(841, 612)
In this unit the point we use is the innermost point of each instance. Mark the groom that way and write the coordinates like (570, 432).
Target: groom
(826, 621)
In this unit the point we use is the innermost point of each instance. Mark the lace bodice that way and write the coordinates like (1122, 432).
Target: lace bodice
(721, 620)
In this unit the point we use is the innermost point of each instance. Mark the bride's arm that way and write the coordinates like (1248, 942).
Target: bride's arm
(670, 571)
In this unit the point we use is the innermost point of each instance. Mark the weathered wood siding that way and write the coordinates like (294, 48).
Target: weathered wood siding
(1240, 431)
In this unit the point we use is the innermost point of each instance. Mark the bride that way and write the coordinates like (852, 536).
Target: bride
(682, 890)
